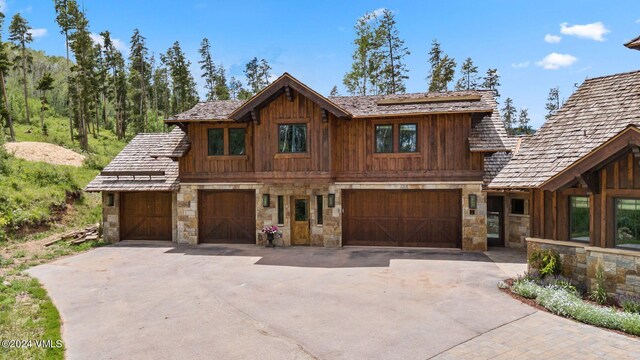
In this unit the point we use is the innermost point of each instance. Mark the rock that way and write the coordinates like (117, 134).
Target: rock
(6, 283)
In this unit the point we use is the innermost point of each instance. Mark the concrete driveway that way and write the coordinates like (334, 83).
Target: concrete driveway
(157, 301)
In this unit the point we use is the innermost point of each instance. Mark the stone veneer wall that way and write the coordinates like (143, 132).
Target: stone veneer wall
(517, 227)
(111, 218)
(474, 226)
(580, 263)
(474, 230)
(328, 234)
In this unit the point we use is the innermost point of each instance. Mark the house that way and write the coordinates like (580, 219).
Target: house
(577, 182)
(385, 170)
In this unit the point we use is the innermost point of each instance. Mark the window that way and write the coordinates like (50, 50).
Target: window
(320, 207)
(518, 206)
(216, 142)
(236, 141)
(408, 138)
(300, 213)
(280, 210)
(627, 214)
(292, 138)
(384, 138)
(579, 218)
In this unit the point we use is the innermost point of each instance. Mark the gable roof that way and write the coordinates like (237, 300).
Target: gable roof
(600, 109)
(145, 153)
(276, 88)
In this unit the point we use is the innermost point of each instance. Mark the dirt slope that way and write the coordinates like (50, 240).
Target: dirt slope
(49, 153)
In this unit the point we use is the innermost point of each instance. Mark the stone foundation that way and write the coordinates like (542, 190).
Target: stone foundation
(580, 262)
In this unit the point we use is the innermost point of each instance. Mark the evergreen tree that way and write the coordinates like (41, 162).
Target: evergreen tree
(45, 84)
(257, 73)
(469, 78)
(265, 73)
(392, 52)
(184, 92)
(139, 76)
(221, 88)
(491, 81)
(244, 94)
(121, 90)
(365, 67)
(553, 102)
(5, 65)
(334, 91)
(209, 72)
(235, 86)
(64, 9)
(443, 69)
(509, 115)
(523, 122)
(162, 91)
(20, 36)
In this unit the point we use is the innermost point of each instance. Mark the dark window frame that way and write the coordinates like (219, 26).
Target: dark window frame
(209, 132)
(293, 125)
(524, 207)
(400, 134)
(226, 141)
(615, 222)
(375, 138)
(571, 215)
(319, 210)
(244, 138)
(281, 210)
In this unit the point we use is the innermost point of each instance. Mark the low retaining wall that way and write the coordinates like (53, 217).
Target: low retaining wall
(580, 263)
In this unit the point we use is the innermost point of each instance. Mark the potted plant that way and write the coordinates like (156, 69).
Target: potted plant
(271, 231)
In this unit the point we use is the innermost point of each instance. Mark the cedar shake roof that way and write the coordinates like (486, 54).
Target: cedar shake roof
(489, 134)
(217, 110)
(146, 152)
(600, 109)
(493, 163)
(633, 44)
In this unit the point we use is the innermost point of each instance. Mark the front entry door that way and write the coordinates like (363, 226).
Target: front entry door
(495, 221)
(300, 220)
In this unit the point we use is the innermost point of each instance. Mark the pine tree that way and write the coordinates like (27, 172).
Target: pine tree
(334, 91)
(5, 65)
(221, 88)
(469, 78)
(523, 122)
(162, 91)
(392, 52)
(20, 36)
(139, 76)
(208, 68)
(45, 84)
(257, 73)
(64, 9)
(509, 116)
(184, 92)
(443, 69)
(365, 67)
(491, 81)
(235, 86)
(265, 73)
(553, 102)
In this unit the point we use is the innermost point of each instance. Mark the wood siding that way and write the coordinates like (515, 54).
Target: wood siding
(550, 209)
(337, 149)
(145, 216)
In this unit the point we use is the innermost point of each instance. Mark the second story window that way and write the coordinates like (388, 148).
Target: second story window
(292, 138)
(384, 138)
(406, 140)
(236, 141)
(216, 142)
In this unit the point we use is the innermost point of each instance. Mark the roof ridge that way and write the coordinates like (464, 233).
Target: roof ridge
(613, 75)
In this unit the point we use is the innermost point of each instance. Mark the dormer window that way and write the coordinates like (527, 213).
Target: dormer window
(292, 138)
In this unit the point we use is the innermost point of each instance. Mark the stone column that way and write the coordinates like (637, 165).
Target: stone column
(187, 215)
(111, 217)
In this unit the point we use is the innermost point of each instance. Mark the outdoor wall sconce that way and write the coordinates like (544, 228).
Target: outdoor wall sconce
(473, 201)
(110, 200)
(266, 200)
(331, 200)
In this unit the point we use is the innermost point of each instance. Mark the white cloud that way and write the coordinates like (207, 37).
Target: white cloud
(520, 65)
(593, 31)
(3, 5)
(97, 39)
(555, 61)
(552, 39)
(38, 33)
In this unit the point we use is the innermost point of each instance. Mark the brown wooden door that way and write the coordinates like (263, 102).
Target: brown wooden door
(145, 216)
(422, 218)
(300, 220)
(495, 221)
(227, 217)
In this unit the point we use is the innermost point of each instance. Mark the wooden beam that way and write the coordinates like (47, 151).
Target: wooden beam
(255, 116)
(590, 181)
(132, 173)
(288, 93)
(323, 114)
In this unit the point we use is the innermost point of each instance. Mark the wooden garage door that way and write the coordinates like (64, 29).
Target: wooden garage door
(227, 217)
(145, 216)
(425, 218)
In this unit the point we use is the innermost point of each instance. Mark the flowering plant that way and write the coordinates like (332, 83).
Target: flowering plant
(270, 229)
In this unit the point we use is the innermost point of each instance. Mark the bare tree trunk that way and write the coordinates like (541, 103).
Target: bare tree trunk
(24, 83)
(70, 107)
(12, 133)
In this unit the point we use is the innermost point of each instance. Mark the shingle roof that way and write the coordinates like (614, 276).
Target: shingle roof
(633, 44)
(368, 106)
(597, 111)
(144, 153)
(493, 163)
(210, 110)
(489, 134)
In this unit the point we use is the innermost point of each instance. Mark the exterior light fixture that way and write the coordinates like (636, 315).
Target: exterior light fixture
(110, 199)
(266, 200)
(473, 201)
(331, 200)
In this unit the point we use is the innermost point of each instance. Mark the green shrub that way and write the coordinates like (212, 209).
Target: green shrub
(630, 304)
(526, 288)
(599, 293)
(547, 261)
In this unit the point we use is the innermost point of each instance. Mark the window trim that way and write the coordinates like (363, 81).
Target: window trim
(395, 128)
(226, 155)
(375, 139)
(319, 210)
(615, 222)
(304, 153)
(209, 130)
(281, 210)
(524, 207)
(417, 150)
(569, 218)
(228, 147)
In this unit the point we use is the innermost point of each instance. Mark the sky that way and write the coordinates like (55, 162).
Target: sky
(535, 45)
